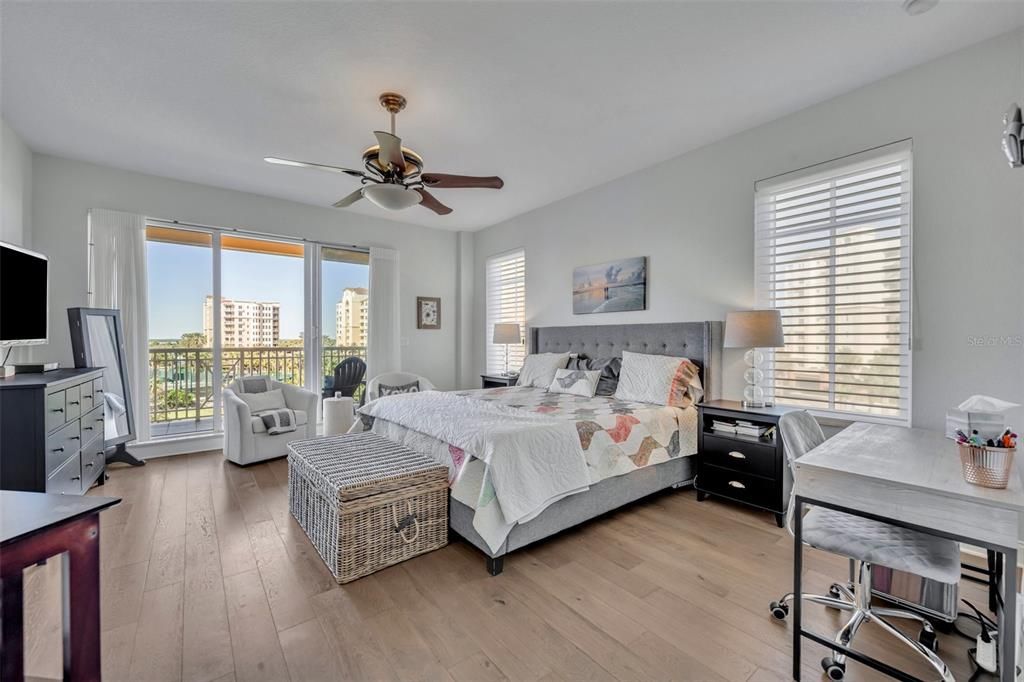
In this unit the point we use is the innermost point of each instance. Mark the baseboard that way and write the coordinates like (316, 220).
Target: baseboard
(183, 445)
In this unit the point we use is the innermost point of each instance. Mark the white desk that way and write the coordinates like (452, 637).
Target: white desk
(910, 478)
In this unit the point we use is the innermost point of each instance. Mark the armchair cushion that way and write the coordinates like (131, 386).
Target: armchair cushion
(258, 425)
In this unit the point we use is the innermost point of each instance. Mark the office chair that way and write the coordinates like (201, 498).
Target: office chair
(868, 543)
(348, 375)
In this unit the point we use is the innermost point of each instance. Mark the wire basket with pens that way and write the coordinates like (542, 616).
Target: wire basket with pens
(987, 463)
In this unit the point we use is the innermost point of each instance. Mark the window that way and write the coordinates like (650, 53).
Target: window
(506, 302)
(832, 254)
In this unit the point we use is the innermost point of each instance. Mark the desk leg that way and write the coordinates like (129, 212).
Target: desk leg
(12, 646)
(1008, 619)
(798, 556)
(81, 570)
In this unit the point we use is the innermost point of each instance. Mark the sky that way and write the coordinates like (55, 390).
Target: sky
(180, 278)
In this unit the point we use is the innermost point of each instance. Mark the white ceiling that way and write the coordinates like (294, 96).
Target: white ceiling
(555, 97)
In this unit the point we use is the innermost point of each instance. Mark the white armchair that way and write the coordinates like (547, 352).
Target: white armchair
(245, 437)
(388, 379)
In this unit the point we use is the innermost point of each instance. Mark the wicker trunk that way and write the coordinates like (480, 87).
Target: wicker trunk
(366, 502)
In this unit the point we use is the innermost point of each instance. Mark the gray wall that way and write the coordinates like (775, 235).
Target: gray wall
(16, 187)
(693, 217)
(64, 190)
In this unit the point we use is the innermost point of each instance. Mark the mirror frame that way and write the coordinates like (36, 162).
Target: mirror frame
(81, 346)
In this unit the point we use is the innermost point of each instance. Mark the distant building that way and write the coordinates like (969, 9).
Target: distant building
(350, 317)
(244, 323)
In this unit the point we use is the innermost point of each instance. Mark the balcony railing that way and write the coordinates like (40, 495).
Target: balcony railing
(181, 379)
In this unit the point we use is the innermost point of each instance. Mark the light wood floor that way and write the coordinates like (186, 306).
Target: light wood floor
(207, 577)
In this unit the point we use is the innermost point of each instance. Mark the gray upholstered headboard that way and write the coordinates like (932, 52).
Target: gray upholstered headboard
(700, 342)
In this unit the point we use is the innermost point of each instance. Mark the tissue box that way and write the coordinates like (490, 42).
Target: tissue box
(987, 424)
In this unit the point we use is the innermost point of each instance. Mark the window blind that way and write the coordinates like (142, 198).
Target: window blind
(833, 255)
(506, 302)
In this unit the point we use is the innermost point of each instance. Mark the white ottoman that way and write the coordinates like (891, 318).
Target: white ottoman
(337, 416)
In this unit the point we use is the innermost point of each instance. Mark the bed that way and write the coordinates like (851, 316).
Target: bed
(630, 450)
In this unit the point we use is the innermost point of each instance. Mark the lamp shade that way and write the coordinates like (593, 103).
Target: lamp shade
(392, 197)
(753, 329)
(507, 332)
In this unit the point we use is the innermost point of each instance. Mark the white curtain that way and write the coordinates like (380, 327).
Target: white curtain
(117, 279)
(383, 347)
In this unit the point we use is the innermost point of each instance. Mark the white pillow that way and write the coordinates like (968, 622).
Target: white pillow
(264, 400)
(576, 382)
(658, 379)
(539, 369)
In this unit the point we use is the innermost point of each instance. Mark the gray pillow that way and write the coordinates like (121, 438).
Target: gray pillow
(411, 387)
(609, 367)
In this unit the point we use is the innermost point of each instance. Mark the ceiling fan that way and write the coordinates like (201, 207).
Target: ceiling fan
(394, 177)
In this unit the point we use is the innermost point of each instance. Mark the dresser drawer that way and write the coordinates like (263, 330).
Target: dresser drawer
(67, 480)
(92, 424)
(92, 462)
(72, 403)
(741, 456)
(756, 490)
(97, 391)
(86, 396)
(62, 444)
(55, 412)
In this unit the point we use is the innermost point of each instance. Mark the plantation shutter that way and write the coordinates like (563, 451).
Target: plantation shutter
(833, 255)
(506, 302)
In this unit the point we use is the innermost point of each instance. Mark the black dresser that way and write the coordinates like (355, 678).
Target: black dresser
(743, 468)
(51, 431)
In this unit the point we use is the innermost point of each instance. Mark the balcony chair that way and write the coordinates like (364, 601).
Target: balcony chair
(348, 376)
(245, 436)
(395, 379)
(868, 543)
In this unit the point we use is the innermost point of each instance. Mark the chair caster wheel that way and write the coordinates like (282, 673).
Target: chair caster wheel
(779, 610)
(833, 668)
(928, 640)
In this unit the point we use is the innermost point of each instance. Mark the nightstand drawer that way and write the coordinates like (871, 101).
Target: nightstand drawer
(738, 455)
(762, 492)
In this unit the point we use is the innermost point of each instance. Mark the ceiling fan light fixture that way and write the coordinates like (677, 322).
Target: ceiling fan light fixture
(392, 197)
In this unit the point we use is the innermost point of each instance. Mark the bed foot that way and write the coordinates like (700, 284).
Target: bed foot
(495, 565)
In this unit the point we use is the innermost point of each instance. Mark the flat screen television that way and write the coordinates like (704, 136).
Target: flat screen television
(24, 296)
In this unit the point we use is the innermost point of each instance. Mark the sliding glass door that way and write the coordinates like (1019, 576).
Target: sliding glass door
(224, 305)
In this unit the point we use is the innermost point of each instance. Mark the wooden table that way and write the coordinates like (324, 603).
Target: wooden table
(910, 478)
(33, 528)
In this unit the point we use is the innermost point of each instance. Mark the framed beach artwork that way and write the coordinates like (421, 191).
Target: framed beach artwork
(614, 287)
(428, 312)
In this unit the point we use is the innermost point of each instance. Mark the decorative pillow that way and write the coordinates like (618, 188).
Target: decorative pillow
(609, 368)
(254, 384)
(411, 387)
(658, 379)
(575, 382)
(539, 369)
(265, 400)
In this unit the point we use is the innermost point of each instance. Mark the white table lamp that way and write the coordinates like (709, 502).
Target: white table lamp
(753, 329)
(507, 333)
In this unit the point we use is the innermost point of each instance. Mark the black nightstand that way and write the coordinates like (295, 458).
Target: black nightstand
(497, 380)
(744, 468)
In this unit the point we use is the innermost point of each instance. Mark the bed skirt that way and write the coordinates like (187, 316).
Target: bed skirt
(603, 497)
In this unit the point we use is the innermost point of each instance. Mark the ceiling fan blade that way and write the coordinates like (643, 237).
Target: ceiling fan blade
(431, 202)
(448, 181)
(350, 199)
(390, 149)
(320, 166)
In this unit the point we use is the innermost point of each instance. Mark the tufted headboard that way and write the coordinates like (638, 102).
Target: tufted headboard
(700, 342)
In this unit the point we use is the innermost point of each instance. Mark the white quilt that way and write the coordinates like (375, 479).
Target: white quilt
(499, 436)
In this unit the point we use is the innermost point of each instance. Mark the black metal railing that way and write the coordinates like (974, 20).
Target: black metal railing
(181, 379)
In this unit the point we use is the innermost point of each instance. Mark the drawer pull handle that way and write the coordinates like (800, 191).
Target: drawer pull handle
(99, 390)
(87, 428)
(60, 449)
(737, 484)
(99, 420)
(57, 409)
(76, 437)
(74, 402)
(737, 455)
(89, 464)
(76, 478)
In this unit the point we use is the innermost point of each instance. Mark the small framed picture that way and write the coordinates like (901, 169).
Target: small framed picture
(428, 312)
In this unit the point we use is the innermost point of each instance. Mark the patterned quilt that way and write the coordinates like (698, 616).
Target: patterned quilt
(617, 437)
